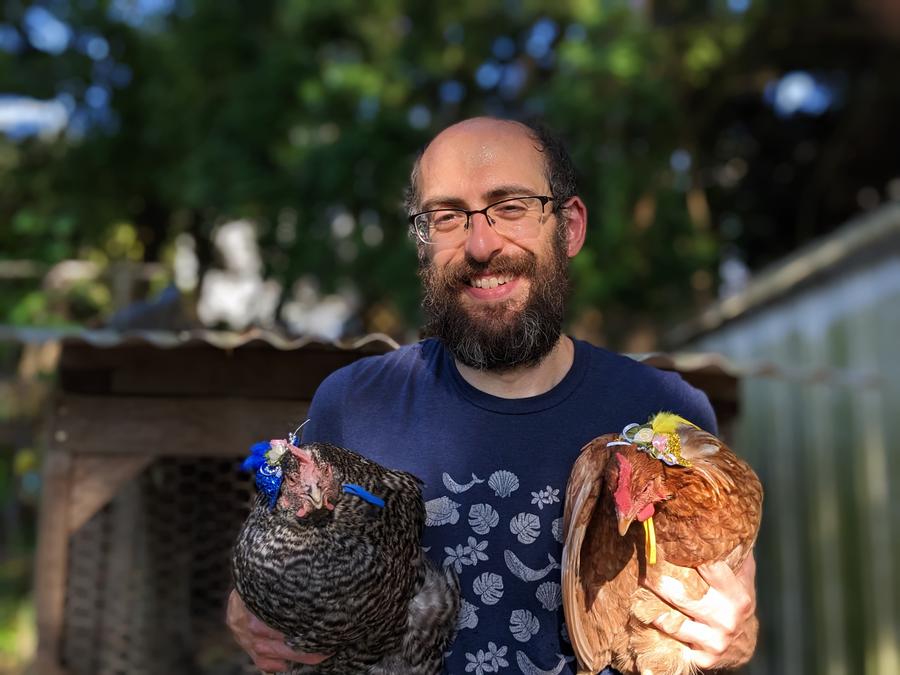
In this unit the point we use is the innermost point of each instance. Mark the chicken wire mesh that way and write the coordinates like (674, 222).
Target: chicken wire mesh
(150, 573)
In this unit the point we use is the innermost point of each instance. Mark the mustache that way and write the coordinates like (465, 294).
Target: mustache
(519, 266)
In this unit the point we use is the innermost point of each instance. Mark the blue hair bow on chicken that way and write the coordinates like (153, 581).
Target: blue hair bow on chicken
(265, 465)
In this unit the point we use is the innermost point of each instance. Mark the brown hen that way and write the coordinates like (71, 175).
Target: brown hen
(698, 502)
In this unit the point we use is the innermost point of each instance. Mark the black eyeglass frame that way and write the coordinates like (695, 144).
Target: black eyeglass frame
(412, 219)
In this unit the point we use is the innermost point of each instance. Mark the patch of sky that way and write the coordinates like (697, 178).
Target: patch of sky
(452, 91)
(512, 80)
(541, 38)
(96, 96)
(10, 40)
(45, 32)
(738, 6)
(504, 48)
(799, 92)
(680, 160)
(137, 13)
(95, 46)
(68, 102)
(419, 116)
(21, 116)
(488, 74)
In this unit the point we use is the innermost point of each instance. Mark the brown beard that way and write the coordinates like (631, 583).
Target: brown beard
(498, 338)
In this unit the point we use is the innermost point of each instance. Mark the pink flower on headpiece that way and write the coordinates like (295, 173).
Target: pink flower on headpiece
(661, 443)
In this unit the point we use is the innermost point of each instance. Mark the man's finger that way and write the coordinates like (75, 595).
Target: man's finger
(270, 666)
(278, 650)
(261, 630)
(702, 637)
(732, 587)
(713, 608)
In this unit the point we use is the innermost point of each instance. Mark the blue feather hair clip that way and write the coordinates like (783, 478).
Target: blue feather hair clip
(264, 461)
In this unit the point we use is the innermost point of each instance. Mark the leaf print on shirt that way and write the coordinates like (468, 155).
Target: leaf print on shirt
(468, 616)
(457, 488)
(523, 624)
(503, 482)
(546, 496)
(482, 517)
(526, 527)
(441, 511)
(489, 587)
(523, 571)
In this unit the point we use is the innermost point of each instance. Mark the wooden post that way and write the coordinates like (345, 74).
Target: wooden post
(52, 560)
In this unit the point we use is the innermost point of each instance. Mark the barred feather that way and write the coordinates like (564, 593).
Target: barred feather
(352, 581)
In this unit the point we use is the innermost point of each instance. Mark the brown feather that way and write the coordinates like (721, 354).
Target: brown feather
(712, 512)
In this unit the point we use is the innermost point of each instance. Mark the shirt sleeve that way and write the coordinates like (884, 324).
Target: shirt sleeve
(325, 423)
(705, 415)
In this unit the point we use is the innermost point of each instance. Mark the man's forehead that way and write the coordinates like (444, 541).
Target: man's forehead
(483, 148)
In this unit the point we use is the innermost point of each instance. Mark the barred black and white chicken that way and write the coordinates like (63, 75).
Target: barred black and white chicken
(330, 556)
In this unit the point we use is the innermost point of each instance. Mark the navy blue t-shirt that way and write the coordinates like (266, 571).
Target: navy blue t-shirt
(495, 473)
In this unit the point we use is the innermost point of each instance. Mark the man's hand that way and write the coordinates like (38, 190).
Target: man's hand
(265, 645)
(720, 628)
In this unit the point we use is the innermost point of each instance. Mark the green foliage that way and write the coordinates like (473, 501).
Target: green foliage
(294, 113)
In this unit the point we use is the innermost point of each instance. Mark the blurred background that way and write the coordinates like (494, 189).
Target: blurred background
(175, 165)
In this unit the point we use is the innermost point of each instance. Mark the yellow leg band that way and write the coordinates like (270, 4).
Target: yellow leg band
(650, 538)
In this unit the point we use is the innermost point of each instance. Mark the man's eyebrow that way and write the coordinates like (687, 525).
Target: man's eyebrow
(492, 195)
(443, 202)
(511, 190)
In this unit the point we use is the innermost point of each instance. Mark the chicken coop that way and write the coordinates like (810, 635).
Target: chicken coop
(817, 337)
(142, 497)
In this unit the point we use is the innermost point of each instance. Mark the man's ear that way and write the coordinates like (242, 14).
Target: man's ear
(576, 225)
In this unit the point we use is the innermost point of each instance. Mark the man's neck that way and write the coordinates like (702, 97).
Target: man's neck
(527, 380)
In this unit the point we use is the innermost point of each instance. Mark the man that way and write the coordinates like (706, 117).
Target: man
(492, 412)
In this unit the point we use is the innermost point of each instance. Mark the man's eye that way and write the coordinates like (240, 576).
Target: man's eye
(445, 217)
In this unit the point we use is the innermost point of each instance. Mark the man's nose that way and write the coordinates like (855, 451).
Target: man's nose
(482, 240)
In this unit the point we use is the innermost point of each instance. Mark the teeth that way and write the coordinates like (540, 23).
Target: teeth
(488, 282)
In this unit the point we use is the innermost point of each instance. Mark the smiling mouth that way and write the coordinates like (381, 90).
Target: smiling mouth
(489, 282)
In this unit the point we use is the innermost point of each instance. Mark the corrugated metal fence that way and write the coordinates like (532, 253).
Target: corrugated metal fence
(822, 428)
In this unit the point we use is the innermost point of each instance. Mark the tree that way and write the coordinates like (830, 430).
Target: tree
(305, 116)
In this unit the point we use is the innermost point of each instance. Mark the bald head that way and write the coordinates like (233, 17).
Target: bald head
(488, 127)
(475, 142)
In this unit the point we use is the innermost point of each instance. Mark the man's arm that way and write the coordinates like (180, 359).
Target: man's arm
(719, 628)
(265, 645)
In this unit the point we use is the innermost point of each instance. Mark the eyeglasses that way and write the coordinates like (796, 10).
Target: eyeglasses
(514, 218)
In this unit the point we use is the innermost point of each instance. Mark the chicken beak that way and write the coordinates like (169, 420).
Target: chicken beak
(315, 496)
(312, 502)
(624, 524)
